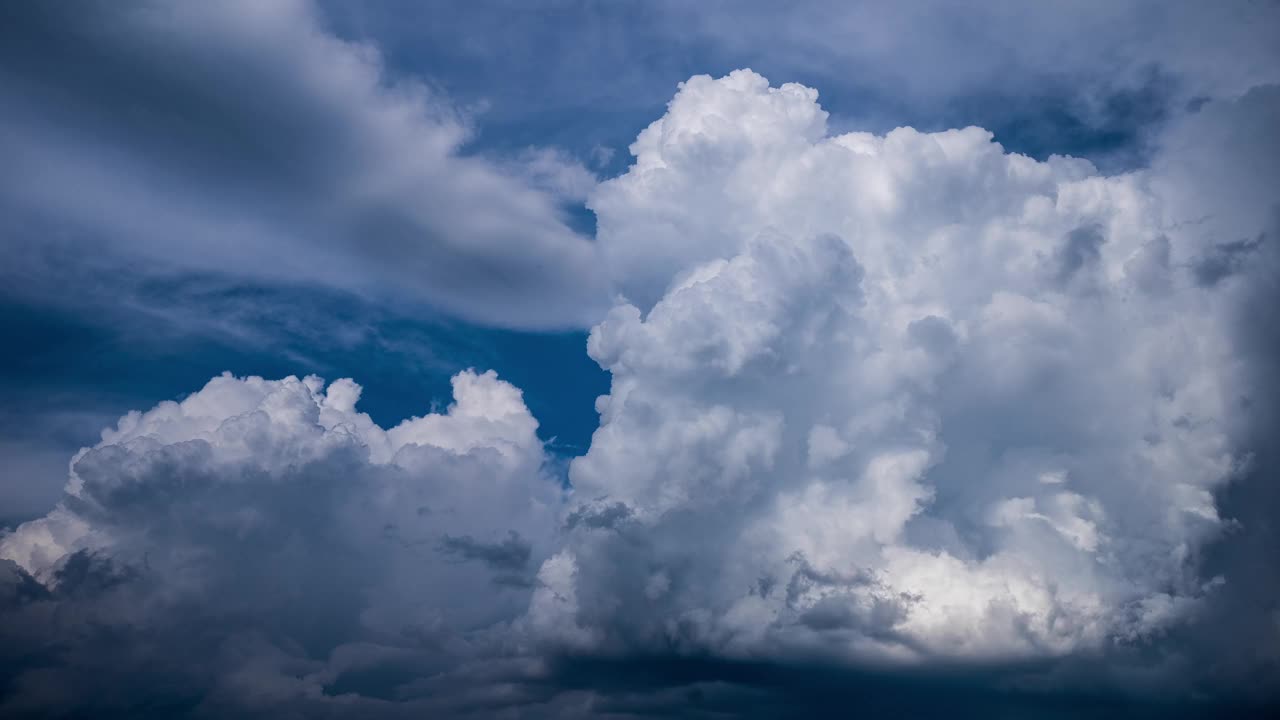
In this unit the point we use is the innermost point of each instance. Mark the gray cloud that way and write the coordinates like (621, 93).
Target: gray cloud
(235, 539)
(1081, 247)
(510, 554)
(1223, 261)
(247, 139)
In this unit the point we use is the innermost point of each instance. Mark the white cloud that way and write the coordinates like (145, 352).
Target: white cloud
(555, 172)
(276, 507)
(845, 369)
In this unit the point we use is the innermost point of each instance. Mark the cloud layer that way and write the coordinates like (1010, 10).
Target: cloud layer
(244, 138)
(893, 406)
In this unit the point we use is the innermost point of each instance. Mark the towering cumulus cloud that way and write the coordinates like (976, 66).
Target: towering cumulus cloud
(907, 405)
(904, 399)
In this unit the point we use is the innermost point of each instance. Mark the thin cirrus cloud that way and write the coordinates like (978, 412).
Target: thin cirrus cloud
(903, 410)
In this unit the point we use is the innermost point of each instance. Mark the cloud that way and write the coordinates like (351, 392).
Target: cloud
(247, 139)
(903, 413)
(257, 526)
(897, 399)
(1095, 69)
(1093, 79)
(556, 173)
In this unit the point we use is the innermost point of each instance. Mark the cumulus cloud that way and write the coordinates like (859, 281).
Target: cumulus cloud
(245, 138)
(900, 398)
(906, 408)
(274, 545)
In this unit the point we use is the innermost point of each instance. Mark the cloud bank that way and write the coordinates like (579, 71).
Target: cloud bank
(903, 409)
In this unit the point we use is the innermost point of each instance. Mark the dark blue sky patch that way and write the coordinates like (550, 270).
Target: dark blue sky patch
(404, 364)
(1113, 130)
(78, 372)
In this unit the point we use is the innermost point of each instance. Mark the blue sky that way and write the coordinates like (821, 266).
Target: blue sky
(910, 347)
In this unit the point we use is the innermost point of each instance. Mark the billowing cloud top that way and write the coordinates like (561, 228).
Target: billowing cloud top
(901, 397)
(259, 506)
(902, 401)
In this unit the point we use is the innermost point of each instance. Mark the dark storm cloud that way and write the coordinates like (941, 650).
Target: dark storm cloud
(1232, 645)
(708, 687)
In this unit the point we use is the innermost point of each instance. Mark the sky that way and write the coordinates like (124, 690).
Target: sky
(639, 359)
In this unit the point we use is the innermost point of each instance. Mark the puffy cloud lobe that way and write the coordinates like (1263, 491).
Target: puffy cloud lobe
(268, 536)
(902, 398)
